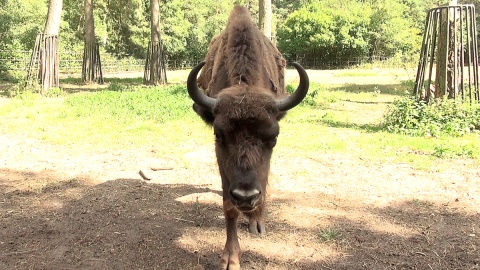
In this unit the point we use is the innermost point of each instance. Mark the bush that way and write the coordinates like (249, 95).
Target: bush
(410, 116)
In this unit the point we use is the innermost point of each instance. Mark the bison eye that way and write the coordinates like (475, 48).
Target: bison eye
(218, 137)
(271, 142)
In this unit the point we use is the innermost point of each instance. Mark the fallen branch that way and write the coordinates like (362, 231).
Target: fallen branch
(161, 168)
(144, 176)
(181, 219)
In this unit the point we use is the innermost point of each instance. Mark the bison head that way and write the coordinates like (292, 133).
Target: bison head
(245, 122)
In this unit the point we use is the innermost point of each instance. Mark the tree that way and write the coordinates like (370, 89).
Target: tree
(329, 30)
(392, 31)
(128, 27)
(20, 21)
(155, 64)
(307, 29)
(265, 17)
(46, 53)
(92, 65)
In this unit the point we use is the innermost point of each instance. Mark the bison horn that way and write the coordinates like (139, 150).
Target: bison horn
(299, 94)
(196, 94)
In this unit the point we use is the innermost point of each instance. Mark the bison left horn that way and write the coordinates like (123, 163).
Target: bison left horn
(196, 94)
(294, 99)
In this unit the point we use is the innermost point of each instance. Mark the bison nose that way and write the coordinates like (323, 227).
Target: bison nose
(245, 198)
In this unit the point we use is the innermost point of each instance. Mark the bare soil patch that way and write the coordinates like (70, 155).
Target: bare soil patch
(65, 210)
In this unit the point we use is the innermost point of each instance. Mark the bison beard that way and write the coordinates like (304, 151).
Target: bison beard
(244, 98)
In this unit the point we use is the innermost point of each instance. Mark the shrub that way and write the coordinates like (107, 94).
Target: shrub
(410, 116)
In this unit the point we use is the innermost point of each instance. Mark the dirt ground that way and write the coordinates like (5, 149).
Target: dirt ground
(62, 208)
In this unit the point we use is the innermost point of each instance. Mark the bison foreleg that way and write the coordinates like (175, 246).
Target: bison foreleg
(255, 221)
(256, 226)
(231, 254)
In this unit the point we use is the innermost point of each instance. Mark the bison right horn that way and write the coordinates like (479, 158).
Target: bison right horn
(195, 93)
(299, 94)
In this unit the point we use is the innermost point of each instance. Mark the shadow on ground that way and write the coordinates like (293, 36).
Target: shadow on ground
(130, 224)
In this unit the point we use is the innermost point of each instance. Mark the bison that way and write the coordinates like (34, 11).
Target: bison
(244, 98)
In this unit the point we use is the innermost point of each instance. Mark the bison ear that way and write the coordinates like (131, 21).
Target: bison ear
(205, 114)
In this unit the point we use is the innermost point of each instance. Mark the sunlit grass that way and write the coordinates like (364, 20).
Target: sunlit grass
(357, 73)
(160, 118)
(130, 116)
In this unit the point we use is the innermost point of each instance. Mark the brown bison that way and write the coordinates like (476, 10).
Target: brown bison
(244, 98)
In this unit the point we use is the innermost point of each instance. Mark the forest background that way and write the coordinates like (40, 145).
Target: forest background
(330, 31)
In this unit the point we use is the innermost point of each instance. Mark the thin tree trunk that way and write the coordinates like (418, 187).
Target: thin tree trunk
(52, 25)
(446, 70)
(155, 72)
(265, 17)
(91, 66)
(48, 53)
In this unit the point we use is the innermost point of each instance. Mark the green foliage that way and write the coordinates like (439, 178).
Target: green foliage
(349, 28)
(123, 26)
(392, 30)
(188, 33)
(307, 28)
(453, 151)
(329, 235)
(410, 116)
(20, 21)
(21, 91)
(330, 28)
(25, 90)
(310, 99)
(317, 96)
(55, 92)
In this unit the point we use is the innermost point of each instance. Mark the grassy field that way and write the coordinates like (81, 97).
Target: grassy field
(124, 114)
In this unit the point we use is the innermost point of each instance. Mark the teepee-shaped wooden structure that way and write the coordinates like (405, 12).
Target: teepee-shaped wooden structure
(448, 65)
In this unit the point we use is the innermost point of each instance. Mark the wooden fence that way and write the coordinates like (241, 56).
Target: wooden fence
(71, 62)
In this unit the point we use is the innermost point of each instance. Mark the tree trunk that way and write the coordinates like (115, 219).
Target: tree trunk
(47, 48)
(91, 66)
(447, 69)
(265, 17)
(155, 72)
(52, 25)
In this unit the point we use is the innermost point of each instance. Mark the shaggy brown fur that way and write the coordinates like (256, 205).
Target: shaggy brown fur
(242, 54)
(245, 72)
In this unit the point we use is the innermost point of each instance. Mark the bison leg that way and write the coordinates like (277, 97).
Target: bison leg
(255, 221)
(231, 254)
(256, 226)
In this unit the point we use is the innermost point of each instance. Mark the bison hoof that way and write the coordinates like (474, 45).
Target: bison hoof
(229, 262)
(256, 227)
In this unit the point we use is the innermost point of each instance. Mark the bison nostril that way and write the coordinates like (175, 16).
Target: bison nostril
(245, 196)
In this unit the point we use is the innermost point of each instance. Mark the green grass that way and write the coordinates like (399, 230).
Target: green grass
(357, 73)
(126, 115)
(157, 117)
(329, 235)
